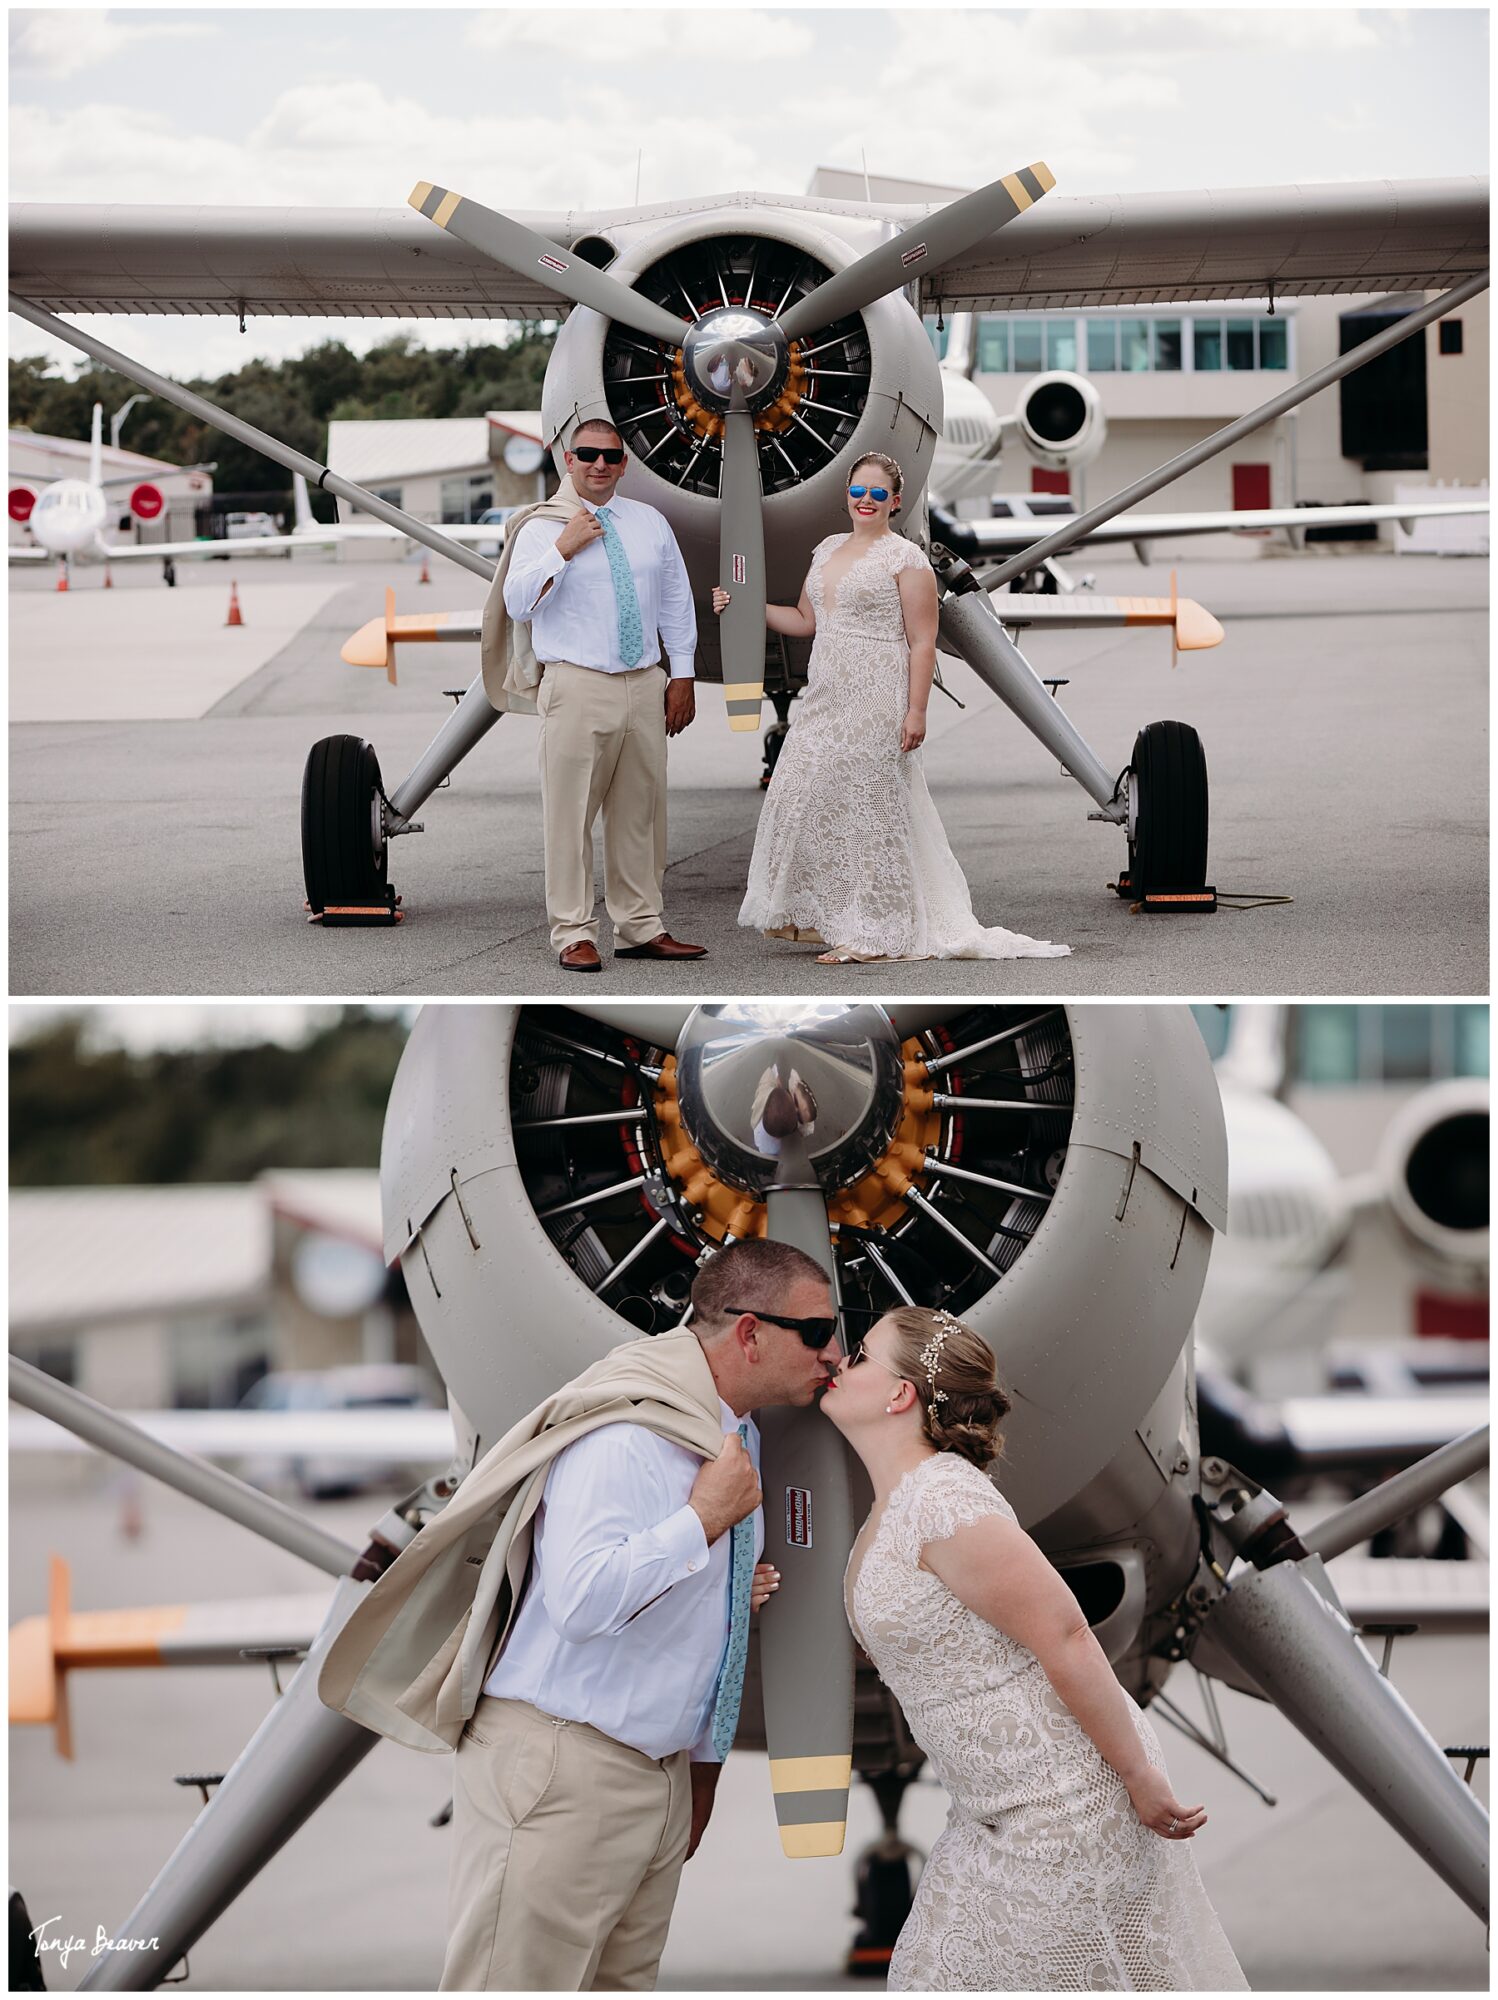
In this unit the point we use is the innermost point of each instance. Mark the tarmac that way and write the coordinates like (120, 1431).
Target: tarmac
(156, 763)
(1315, 1893)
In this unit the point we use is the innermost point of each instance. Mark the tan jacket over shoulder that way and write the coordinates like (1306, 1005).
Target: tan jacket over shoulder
(512, 673)
(412, 1660)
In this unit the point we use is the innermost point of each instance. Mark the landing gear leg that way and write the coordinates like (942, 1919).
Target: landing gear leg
(885, 1879)
(775, 736)
(169, 573)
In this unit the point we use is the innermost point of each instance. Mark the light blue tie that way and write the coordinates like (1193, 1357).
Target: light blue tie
(631, 634)
(731, 1678)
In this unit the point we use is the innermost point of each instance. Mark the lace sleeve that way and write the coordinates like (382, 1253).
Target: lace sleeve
(947, 1495)
(910, 556)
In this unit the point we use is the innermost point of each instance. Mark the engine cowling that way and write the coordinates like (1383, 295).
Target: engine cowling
(1434, 1166)
(1061, 420)
(546, 1197)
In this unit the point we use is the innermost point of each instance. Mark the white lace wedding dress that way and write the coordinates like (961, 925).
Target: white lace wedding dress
(1044, 1879)
(849, 843)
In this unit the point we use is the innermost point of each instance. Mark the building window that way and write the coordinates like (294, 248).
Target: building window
(466, 499)
(1406, 1051)
(1240, 343)
(1327, 1051)
(1134, 346)
(1167, 345)
(1102, 346)
(1274, 344)
(1061, 344)
(391, 495)
(1470, 1056)
(1029, 346)
(1450, 331)
(993, 347)
(938, 340)
(1207, 346)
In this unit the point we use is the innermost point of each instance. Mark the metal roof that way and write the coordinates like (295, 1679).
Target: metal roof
(81, 1256)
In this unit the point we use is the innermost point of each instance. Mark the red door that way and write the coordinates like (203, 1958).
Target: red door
(1042, 481)
(1250, 486)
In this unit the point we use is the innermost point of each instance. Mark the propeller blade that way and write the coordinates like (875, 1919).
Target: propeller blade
(805, 1647)
(741, 566)
(520, 249)
(925, 246)
(658, 1022)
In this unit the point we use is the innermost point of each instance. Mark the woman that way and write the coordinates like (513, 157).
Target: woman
(1062, 1866)
(850, 851)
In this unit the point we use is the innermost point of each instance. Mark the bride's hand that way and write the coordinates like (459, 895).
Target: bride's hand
(766, 1578)
(720, 600)
(913, 729)
(1160, 1809)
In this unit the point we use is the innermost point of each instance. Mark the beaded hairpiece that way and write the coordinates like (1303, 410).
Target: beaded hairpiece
(931, 1353)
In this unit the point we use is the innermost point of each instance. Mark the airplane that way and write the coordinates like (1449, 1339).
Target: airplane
(68, 517)
(804, 347)
(1017, 1163)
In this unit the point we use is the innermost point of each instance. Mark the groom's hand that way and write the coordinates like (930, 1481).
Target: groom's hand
(704, 1787)
(681, 703)
(726, 1489)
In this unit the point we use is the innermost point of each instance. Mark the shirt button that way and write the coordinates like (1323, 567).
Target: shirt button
(692, 1566)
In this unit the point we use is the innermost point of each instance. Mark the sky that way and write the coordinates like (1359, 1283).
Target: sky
(545, 107)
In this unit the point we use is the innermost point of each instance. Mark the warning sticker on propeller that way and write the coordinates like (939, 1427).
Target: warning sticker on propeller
(913, 255)
(738, 569)
(552, 263)
(798, 1516)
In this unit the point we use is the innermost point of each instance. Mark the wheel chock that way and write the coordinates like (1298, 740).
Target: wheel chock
(335, 915)
(1177, 902)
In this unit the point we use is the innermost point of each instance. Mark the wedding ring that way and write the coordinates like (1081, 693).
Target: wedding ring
(1174, 1823)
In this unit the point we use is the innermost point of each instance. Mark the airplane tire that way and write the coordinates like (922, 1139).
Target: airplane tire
(342, 861)
(1168, 849)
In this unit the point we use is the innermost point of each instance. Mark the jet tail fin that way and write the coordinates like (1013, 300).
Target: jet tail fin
(304, 521)
(96, 448)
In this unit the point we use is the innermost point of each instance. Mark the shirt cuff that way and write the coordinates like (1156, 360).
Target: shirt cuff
(682, 1540)
(683, 666)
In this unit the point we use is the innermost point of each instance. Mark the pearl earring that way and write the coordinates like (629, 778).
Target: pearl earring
(889, 1409)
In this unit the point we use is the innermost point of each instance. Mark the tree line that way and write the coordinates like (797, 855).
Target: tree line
(89, 1116)
(293, 400)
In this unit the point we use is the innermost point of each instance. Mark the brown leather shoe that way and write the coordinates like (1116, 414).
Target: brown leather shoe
(664, 946)
(580, 957)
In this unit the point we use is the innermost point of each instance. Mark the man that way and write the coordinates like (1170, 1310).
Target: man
(586, 1775)
(599, 591)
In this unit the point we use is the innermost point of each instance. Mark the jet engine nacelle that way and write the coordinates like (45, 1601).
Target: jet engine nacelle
(1061, 420)
(533, 1157)
(1434, 1166)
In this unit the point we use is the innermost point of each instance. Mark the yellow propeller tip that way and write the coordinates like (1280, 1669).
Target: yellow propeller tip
(1044, 175)
(815, 1842)
(419, 194)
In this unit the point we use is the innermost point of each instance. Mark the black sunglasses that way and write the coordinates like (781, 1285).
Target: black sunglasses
(814, 1333)
(611, 454)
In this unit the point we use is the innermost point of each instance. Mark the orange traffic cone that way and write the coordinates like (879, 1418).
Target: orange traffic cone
(426, 571)
(62, 577)
(235, 617)
(108, 579)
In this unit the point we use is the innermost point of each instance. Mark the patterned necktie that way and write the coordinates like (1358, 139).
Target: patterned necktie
(631, 635)
(731, 1679)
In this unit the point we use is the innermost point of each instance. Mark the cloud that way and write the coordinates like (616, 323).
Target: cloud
(59, 42)
(628, 35)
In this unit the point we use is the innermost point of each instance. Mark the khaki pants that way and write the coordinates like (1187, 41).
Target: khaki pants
(567, 1850)
(603, 746)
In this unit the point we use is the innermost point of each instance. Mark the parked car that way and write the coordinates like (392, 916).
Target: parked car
(497, 516)
(249, 527)
(366, 1386)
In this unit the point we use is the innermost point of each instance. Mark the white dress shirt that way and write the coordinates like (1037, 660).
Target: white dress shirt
(624, 1619)
(578, 619)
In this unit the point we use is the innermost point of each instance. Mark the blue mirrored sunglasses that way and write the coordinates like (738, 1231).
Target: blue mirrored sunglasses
(874, 492)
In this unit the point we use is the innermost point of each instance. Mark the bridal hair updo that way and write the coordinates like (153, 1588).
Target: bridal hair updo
(952, 1372)
(887, 465)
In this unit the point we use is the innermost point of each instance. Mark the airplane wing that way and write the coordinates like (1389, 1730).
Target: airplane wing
(406, 1436)
(1445, 1597)
(1358, 236)
(971, 539)
(266, 545)
(1368, 236)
